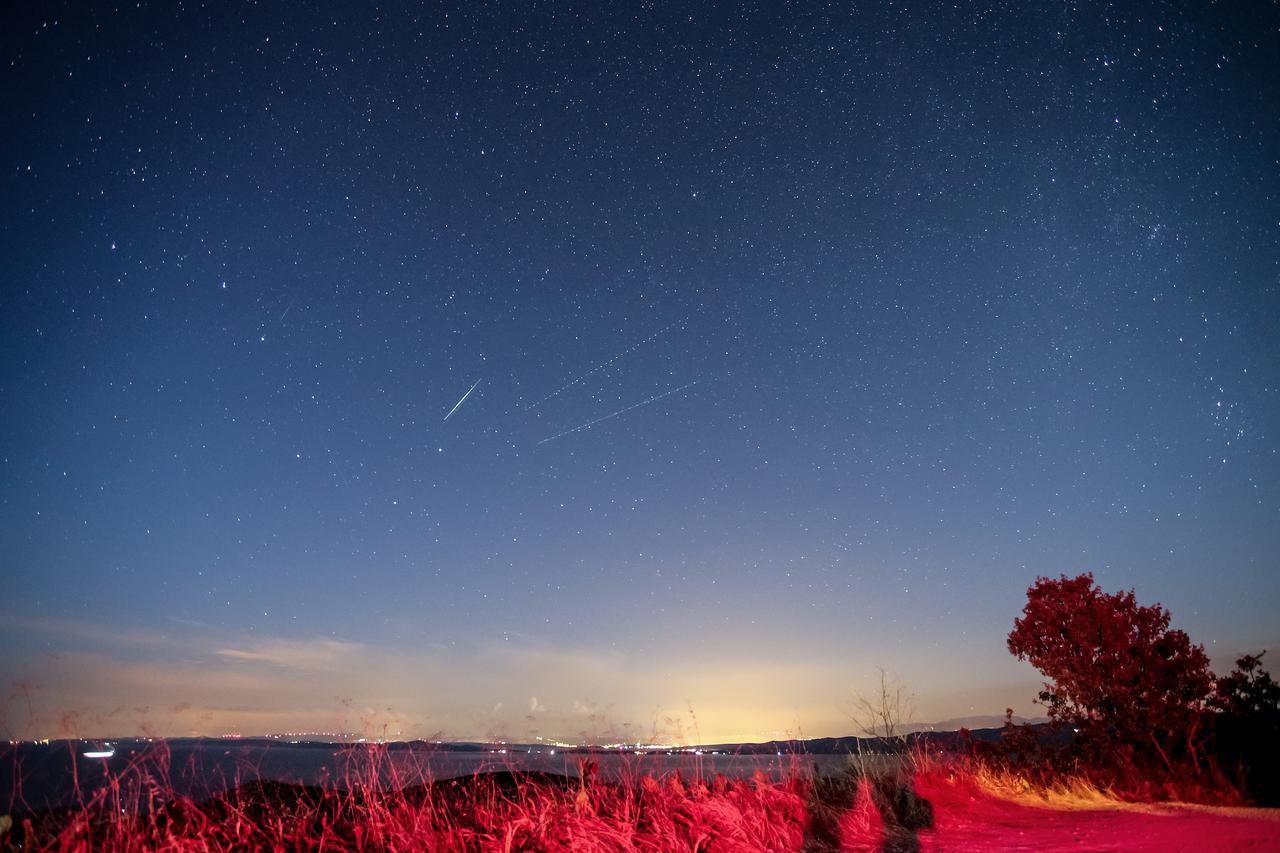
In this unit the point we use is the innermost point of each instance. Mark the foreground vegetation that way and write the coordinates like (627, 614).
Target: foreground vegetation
(956, 804)
(1141, 711)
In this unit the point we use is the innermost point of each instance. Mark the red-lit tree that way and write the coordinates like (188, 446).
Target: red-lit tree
(1117, 672)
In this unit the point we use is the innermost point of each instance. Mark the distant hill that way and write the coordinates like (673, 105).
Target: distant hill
(929, 739)
(980, 721)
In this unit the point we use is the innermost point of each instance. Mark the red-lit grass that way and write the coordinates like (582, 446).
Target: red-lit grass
(506, 810)
(374, 804)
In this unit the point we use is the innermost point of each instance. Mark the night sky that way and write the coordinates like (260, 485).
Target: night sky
(513, 370)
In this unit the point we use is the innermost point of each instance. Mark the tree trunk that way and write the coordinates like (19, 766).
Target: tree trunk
(1159, 749)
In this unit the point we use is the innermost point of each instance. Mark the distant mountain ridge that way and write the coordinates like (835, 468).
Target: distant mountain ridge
(978, 721)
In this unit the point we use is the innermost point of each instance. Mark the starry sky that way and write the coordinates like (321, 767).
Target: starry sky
(659, 370)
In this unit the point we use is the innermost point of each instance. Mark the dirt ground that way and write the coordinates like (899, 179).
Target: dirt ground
(966, 818)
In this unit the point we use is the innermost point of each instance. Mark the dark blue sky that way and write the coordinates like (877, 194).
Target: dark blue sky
(806, 337)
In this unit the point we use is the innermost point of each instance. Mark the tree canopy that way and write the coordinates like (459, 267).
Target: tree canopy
(1117, 672)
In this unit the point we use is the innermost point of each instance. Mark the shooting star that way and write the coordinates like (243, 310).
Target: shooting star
(287, 309)
(602, 365)
(460, 402)
(590, 424)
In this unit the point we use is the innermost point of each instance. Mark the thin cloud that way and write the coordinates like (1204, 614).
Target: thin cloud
(296, 654)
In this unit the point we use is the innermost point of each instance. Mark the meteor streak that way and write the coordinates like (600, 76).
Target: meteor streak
(602, 365)
(590, 424)
(460, 402)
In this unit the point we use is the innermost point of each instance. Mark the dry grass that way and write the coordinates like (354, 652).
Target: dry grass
(501, 811)
(969, 804)
(1066, 792)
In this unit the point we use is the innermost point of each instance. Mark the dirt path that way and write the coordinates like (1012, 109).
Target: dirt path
(967, 819)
